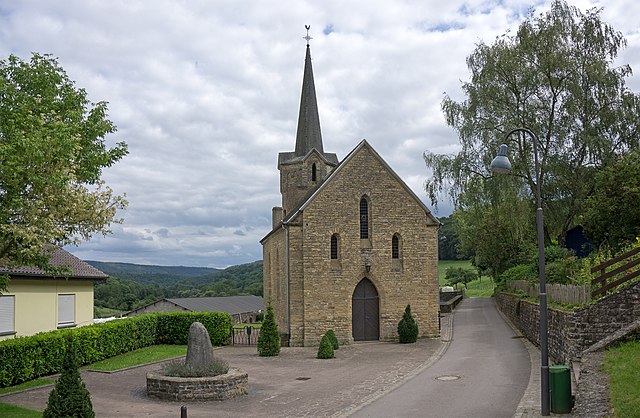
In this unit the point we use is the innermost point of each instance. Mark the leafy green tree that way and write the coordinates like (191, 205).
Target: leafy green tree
(612, 213)
(495, 225)
(407, 327)
(554, 75)
(448, 242)
(462, 275)
(325, 349)
(69, 397)
(52, 152)
(269, 339)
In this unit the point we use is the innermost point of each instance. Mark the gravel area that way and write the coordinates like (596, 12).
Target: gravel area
(592, 392)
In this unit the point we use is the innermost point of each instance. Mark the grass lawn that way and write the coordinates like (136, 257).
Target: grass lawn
(27, 385)
(7, 410)
(482, 287)
(443, 265)
(622, 364)
(139, 357)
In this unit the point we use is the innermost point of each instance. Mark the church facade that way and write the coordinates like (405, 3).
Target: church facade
(350, 246)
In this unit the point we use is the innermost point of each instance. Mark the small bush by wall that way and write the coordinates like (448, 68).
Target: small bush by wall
(407, 327)
(334, 340)
(26, 358)
(325, 350)
(269, 339)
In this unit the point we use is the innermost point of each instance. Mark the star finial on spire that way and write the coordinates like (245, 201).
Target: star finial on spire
(308, 38)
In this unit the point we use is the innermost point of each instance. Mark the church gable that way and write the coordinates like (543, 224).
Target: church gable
(364, 223)
(364, 166)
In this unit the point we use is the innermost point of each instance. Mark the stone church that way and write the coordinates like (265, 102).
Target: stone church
(351, 245)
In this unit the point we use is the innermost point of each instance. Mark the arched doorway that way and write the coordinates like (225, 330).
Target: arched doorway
(365, 312)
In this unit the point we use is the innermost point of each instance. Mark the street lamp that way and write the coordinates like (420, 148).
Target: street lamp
(501, 164)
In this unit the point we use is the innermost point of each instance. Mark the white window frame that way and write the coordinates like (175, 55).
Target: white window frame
(66, 310)
(7, 314)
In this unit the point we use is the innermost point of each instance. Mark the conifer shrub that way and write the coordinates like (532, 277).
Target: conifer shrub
(407, 327)
(333, 339)
(69, 397)
(325, 350)
(269, 339)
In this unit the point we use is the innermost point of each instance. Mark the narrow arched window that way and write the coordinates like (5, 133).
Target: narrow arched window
(314, 172)
(364, 218)
(334, 247)
(395, 247)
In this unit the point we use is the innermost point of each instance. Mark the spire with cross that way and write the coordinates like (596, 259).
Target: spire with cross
(308, 38)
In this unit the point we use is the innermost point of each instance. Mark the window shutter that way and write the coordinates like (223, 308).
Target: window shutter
(66, 309)
(7, 312)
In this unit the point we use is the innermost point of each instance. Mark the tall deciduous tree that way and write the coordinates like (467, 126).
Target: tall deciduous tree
(556, 76)
(52, 152)
(612, 214)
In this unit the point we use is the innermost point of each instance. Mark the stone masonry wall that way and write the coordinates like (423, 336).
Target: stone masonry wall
(227, 386)
(296, 181)
(570, 333)
(327, 288)
(273, 272)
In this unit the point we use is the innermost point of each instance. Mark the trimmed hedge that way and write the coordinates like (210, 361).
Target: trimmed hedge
(26, 358)
(173, 327)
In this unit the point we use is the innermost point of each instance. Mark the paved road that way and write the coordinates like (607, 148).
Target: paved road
(489, 372)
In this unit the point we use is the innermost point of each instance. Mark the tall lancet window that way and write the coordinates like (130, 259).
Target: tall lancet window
(364, 218)
(334, 247)
(395, 247)
(314, 172)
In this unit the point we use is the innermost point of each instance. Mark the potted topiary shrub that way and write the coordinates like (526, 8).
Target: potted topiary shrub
(407, 327)
(269, 339)
(325, 350)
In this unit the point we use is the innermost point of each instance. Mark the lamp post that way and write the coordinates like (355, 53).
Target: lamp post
(501, 164)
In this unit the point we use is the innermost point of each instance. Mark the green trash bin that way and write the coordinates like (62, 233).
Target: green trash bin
(560, 389)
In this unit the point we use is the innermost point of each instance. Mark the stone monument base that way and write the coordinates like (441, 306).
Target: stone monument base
(218, 388)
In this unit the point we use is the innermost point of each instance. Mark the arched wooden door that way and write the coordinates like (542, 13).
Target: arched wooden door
(365, 312)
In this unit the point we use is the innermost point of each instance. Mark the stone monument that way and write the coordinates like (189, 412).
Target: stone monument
(199, 355)
(199, 348)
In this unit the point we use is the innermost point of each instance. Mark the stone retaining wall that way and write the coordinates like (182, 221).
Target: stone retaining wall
(572, 332)
(226, 386)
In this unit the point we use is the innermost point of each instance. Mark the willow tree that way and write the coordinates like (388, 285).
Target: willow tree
(52, 152)
(556, 76)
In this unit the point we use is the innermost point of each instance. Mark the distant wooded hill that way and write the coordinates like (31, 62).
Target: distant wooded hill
(161, 275)
(131, 286)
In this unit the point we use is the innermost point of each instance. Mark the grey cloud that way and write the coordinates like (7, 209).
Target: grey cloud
(207, 94)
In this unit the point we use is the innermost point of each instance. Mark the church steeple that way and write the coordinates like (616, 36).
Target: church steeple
(304, 169)
(309, 135)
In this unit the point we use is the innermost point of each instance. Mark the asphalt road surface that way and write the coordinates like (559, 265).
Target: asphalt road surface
(483, 373)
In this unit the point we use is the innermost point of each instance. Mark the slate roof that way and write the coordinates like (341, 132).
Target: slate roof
(78, 269)
(230, 304)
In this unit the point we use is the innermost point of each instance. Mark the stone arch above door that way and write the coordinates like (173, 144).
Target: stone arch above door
(365, 312)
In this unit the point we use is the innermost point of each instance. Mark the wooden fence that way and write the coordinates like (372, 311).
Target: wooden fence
(620, 274)
(562, 293)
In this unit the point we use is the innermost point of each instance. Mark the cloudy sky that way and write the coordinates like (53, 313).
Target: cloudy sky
(206, 93)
